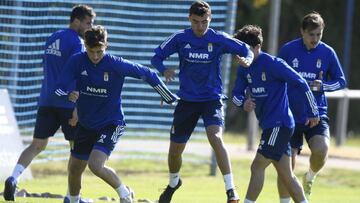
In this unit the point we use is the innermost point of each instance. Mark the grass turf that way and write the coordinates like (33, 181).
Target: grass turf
(149, 177)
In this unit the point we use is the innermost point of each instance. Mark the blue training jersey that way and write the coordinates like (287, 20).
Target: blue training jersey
(58, 49)
(309, 63)
(100, 87)
(199, 61)
(267, 79)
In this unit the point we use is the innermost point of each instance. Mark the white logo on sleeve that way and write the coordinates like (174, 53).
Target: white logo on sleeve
(84, 73)
(187, 46)
(54, 48)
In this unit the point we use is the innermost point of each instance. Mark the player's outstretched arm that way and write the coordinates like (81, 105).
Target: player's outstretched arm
(139, 71)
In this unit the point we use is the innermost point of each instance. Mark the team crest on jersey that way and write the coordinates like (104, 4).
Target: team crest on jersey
(263, 76)
(106, 76)
(295, 63)
(318, 63)
(248, 77)
(210, 47)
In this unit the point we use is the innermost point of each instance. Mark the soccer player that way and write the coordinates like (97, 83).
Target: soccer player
(318, 63)
(99, 80)
(53, 112)
(267, 80)
(200, 49)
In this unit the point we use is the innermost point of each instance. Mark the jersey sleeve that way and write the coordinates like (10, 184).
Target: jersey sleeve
(283, 71)
(67, 77)
(75, 43)
(167, 48)
(136, 70)
(335, 78)
(235, 46)
(239, 88)
(283, 53)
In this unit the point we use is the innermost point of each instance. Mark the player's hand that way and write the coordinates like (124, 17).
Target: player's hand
(74, 119)
(242, 61)
(161, 102)
(312, 122)
(317, 84)
(169, 75)
(172, 104)
(249, 104)
(74, 96)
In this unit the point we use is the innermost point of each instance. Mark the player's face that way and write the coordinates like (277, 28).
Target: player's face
(95, 54)
(85, 24)
(200, 24)
(312, 37)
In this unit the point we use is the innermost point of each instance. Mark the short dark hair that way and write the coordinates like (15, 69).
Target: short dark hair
(96, 36)
(312, 21)
(80, 12)
(250, 34)
(199, 8)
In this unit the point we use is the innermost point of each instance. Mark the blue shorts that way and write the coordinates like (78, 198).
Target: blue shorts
(104, 140)
(301, 129)
(275, 142)
(50, 119)
(187, 114)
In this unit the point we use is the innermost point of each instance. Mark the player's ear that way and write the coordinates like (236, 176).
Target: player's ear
(257, 47)
(76, 22)
(302, 31)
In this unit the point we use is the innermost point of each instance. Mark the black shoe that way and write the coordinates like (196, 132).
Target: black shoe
(232, 196)
(10, 187)
(166, 196)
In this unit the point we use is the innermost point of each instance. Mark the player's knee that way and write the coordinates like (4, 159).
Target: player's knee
(320, 151)
(174, 154)
(38, 147)
(286, 178)
(95, 167)
(73, 170)
(256, 167)
(217, 143)
(76, 166)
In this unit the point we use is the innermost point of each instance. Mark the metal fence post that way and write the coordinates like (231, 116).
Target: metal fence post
(213, 164)
(341, 120)
(252, 131)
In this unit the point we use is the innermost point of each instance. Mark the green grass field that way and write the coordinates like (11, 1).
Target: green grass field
(149, 177)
